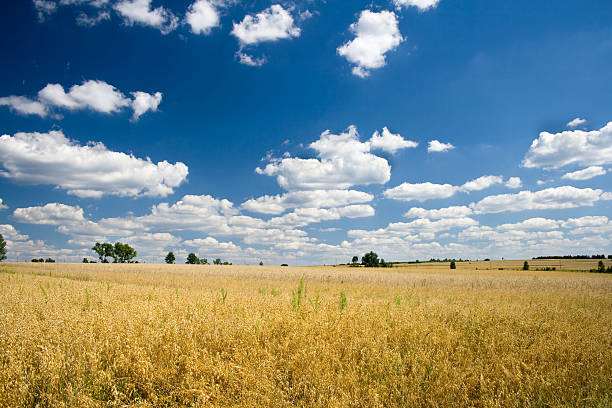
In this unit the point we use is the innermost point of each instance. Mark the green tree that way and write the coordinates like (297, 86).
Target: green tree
(217, 261)
(192, 259)
(85, 260)
(170, 258)
(204, 261)
(123, 253)
(526, 266)
(2, 248)
(452, 265)
(51, 260)
(355, 259)
(601, 268)
(104, 251)
(260, 263)
(370, 260)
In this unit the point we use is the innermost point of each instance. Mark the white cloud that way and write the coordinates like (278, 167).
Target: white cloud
(514, 182)
(140, 12)
(585, 174)
(548, 199)
(273, 24)
(50, 214)
(422, 5)
(305, 199)
(97, 96)
(555, 150)
(144, 102)
(448, 212)
(390, 142)
(420, 191)
(576, 122)
(2, 205)
(375, 35)
(531, 224)
(305, 216)
(343, 162)
(437, 146)
(25, 106)
(249, 60)
(86, 21)
(202, 16)
(44, 8)
(430, 191)
(482, 183)
(9, 232)
(85, 171)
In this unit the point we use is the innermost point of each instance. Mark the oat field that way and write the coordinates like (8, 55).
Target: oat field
(76, 335)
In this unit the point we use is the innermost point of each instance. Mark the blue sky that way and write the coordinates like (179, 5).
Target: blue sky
(306, 132)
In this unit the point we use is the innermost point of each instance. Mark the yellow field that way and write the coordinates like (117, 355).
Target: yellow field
(79, 335)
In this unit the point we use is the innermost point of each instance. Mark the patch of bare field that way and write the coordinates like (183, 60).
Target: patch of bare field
(416, 335)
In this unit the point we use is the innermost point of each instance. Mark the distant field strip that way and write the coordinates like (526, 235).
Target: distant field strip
(420, 335)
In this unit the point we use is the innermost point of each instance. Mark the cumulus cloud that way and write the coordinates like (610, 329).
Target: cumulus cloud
(430, 191)
(375, 35)
(305, 199)
(24, 106)
(514, 182)
(556, 150)
(482, 183)
(9, 232)
(448, 212)
(140, 12)
(437, 146)
(305, 216)
(2, 205)
(420, 191)
(343, 162)
(548, 199)
(422, 5)
(389, 142)
(585, 174)
(97, 96)
(273, 24)
(85, 171)
(144, 102)
(576, 122)
(50, 214)
(202, 16)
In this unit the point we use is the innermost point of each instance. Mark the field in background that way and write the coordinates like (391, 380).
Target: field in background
(418, 335)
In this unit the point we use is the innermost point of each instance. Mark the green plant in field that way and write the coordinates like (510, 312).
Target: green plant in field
(453, 265)
(296, 296)
(223, 295)
(87, 300)
(342, 303)
(315, 303)
(526, 266)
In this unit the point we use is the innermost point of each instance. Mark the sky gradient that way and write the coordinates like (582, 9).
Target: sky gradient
(306, 132)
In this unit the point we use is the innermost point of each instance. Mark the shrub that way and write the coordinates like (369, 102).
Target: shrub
(526, 266)
(452, 265)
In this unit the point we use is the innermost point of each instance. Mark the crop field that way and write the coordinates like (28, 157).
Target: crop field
(420, 335)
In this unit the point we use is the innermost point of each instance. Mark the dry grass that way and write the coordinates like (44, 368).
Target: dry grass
(418, 336)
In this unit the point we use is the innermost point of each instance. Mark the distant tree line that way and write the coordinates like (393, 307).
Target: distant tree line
(574, 257)
(121, 253)
(49, 260)
(192, 259)
(370, 260)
